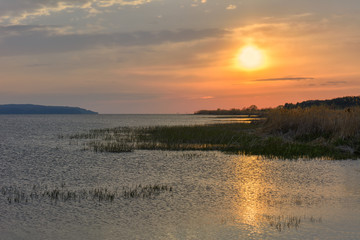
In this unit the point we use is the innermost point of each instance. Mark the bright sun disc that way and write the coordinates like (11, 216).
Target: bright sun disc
(250, 58)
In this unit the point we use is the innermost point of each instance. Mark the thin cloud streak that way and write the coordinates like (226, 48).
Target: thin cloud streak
(285, 79)
(33, 40)
(333, 83)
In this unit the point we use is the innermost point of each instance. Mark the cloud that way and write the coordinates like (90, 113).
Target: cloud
(197, 2)
(333, 83)
(290, 27)
(231, 7)
(15, 11)
(25, 40)
(25, 29)
(285, 79)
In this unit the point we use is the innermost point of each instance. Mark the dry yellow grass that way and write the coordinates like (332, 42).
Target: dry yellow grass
(315, 122)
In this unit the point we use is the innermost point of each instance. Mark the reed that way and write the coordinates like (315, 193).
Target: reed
(16, 195)
(282, 223)
(147, 191)
(316, 132)
(314, 122)
(111, 146)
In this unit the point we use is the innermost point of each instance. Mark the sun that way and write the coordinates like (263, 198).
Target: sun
(250, 58)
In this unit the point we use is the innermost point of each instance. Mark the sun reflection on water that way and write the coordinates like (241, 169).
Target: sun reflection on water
(249, 184)
(266, 195)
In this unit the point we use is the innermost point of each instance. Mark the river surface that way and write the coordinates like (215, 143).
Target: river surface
(209, 195)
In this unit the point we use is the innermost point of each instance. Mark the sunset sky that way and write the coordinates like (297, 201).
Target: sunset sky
(177, 56)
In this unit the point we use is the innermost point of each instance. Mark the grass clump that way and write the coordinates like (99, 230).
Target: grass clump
(203, 137)
(281, 222)
(110, 146)
(147, 191)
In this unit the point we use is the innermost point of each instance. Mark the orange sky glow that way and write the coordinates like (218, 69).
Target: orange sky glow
(166, 56)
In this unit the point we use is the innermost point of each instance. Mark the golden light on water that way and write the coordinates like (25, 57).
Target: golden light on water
(251, 185)
(250, 58)
(250, 201)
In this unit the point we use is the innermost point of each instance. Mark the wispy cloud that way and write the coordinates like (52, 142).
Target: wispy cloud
(284, 79)
(231, 7)
(200, 98)
(197, 2)
(15, 11)
(25, 40)
(207, 97)
(333, 83)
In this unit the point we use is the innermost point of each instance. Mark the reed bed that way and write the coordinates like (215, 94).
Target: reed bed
(314, 122)
(316, 132)
(320, 126)
(15, 194)
(239, 138)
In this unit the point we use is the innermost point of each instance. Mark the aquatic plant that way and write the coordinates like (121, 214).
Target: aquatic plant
(62, 194)
(146, 191)
(281, 222)
(112, 146)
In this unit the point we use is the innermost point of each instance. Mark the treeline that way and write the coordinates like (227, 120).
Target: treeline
(336, 103)
(252, 110)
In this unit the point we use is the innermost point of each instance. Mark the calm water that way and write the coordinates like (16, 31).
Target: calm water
(214, 196)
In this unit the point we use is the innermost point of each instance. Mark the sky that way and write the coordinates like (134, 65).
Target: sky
(177, 56)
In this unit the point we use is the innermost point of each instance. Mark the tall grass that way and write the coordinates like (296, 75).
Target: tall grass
(314, 122)
(210, 135)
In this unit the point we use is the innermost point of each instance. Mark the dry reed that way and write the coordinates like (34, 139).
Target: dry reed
(314, 122)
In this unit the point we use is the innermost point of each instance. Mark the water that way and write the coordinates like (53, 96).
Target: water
(214, 195)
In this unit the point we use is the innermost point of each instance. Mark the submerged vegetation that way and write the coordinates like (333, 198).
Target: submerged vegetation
(285, 133)
(147, 191)
(14, 194)
(282, 223)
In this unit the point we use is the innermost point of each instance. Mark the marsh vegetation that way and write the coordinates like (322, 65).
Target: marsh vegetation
(282, 223)
(14, 194)
(313, 132)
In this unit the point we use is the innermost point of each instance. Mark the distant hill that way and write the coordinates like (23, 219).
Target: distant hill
(338, 103)
(39, 109)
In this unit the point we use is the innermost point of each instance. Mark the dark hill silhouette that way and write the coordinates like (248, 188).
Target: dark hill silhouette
(336, 103)
(40, 109)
